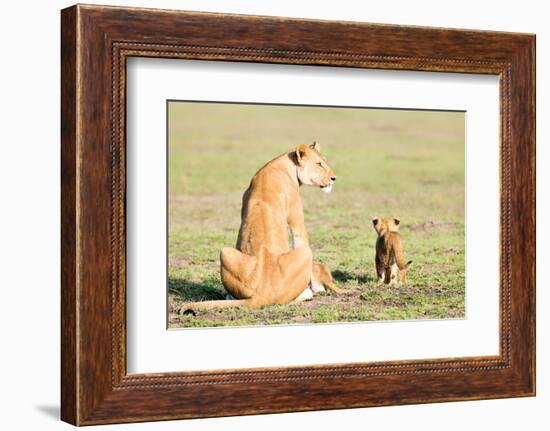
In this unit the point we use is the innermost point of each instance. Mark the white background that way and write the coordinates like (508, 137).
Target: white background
(151, 348)
(29, 217)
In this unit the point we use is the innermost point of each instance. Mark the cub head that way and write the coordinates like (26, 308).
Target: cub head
(382, 225)
(312, 168)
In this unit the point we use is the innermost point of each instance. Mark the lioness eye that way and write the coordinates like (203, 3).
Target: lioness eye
(320, 164)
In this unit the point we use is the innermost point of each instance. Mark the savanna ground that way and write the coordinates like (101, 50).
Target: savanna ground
(389, 162)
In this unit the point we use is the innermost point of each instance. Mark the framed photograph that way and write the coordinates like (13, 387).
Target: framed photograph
(265, 215)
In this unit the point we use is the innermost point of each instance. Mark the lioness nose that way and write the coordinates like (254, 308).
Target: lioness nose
(333, 178)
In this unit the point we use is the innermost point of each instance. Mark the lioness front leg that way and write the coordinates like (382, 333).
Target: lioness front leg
(294, 270)
(321, 277)
(300, 237)
(299, 240)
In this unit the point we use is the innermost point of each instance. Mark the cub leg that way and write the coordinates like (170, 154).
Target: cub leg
(391, 275)
(380, 271)
(387, 275)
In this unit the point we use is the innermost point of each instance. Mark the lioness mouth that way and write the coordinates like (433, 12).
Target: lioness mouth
(327, 189)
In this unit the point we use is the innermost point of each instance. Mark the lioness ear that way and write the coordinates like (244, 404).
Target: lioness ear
(301, 152)
(396, 221)
(315, 146)
(375, 221)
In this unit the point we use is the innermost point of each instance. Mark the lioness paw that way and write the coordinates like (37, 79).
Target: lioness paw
(306, 295)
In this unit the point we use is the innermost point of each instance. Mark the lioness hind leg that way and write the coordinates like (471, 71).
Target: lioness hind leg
(239, 273)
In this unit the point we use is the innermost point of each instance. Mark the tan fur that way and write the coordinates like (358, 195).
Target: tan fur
(321, 273)
(263, 269)
(389, 260)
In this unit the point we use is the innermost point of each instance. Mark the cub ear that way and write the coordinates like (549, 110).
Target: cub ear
(301, 152)
(396, 221)
(315, 146)
(375, 221)
(409, 263)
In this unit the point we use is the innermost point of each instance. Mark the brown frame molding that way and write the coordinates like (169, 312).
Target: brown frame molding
(95, 43)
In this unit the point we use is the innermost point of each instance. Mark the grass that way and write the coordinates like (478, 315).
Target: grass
(404, 163)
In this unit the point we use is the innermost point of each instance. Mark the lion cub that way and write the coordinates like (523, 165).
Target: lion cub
(389, 252)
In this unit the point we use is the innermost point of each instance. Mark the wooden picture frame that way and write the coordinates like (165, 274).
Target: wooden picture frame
(95, 43)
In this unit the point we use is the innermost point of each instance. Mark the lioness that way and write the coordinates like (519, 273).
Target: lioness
(389, 251)
(263, 269)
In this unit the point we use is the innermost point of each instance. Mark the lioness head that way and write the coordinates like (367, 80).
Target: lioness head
(312, 168)
(385, 224)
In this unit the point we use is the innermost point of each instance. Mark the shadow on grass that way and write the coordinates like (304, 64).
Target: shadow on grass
(344, 276)
(211, 288)
(207, 290)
